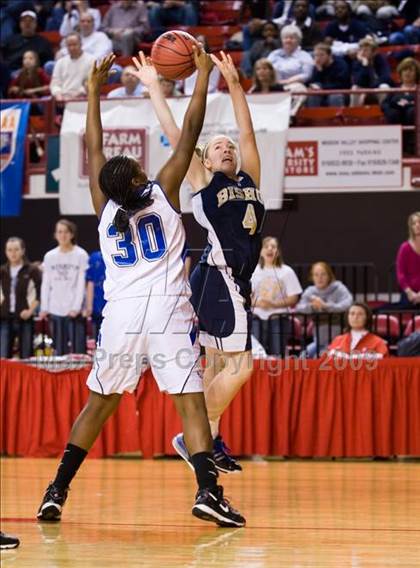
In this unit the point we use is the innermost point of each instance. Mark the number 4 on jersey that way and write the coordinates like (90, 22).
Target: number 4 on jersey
(250, 219)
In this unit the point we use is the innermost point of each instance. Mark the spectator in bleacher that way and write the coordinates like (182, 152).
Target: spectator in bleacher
(291, 63)
(126, 23)
(63, 289)
(71, 71)
(370, 70)
(382, 9)
(283, 11)
(73, 10)
(9, 17)
(358, 341)
(261, 47)
(31, 81)
(409, 346)
(131, 86)
(311, 32)
(410, 34)
(169, 88)
(95, 300)
(20, 284)
(43, 10)
(344, 28)
(330, 72)
(293, 66)
(167, 12)
(96, 43)
(326, 296)
(259, 9)
(264, 78)
(275, 290)
(399, 108)
(26, 40)
(189, 82)
(408, 264)
(251, 32)
(378, 17)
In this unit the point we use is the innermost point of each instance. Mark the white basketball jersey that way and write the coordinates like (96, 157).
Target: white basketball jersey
(147, 259)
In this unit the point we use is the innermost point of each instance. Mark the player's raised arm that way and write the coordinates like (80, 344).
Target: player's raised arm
(250, 158)
(96, 159)
(147, 74)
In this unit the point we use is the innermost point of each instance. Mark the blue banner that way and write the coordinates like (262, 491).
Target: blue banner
(13, 122)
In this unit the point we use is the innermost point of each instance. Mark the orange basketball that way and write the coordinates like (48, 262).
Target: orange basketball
(172, 55)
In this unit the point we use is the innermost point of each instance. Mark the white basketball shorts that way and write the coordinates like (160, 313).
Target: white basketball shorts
(137, 332)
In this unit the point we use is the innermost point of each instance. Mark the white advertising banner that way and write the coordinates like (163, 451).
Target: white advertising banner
(348, 157)
(130, 127)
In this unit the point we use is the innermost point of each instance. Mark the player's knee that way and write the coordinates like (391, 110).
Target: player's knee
(100, 407)
(241, 368)
(192, 405)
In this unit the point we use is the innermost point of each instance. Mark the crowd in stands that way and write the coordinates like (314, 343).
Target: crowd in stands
(65, 291)
(301, 46)
(310, 44)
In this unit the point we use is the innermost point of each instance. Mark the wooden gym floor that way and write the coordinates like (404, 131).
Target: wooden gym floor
(124, 513)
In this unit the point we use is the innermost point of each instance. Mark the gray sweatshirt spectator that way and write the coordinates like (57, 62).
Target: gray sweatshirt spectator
(63, 289)
(326, 296)
(126, 23)
(336, 297)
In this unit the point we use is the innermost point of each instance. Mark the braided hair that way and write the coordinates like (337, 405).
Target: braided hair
(116, 182)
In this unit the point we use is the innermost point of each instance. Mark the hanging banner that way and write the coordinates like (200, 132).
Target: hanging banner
(344, 158)
(13, 126)
(131, 127)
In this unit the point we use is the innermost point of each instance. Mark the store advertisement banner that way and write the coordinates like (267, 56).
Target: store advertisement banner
(348, 157)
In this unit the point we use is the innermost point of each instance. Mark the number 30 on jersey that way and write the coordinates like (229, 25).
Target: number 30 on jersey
(151, 239)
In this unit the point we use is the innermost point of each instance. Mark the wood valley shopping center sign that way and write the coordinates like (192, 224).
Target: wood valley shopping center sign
(349, 157)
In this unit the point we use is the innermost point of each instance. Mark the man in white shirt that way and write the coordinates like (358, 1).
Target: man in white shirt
(71, 71)
(131, 85)
(96, 43)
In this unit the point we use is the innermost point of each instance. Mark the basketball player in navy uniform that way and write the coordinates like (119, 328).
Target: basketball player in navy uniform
(148, 309)
(228, 204)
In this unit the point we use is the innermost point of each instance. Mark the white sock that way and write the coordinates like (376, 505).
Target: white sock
(214, 427)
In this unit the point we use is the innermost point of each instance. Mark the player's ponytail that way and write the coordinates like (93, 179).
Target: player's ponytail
(121, 220)
(115, 180)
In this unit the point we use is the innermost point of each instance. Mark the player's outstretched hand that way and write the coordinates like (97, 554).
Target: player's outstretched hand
(226, 67)
(202, 59)
(100, 72)
(146, 71)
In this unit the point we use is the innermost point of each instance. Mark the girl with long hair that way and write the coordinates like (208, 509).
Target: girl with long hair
(148, 312)
(227, 202)
(20, 284)
(275, 289)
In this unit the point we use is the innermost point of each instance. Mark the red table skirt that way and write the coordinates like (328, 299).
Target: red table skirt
(288, 408)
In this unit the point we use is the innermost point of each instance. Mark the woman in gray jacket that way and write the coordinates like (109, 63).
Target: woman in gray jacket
(326, 296)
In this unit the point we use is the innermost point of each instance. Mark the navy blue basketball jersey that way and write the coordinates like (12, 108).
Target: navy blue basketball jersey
(233, 213)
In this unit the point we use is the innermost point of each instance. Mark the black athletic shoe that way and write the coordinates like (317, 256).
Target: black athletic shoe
(52, 504)
(224, 462)
(8, 541)
(214, 508)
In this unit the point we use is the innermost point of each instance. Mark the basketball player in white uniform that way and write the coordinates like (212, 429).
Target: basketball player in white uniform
(148, 312)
